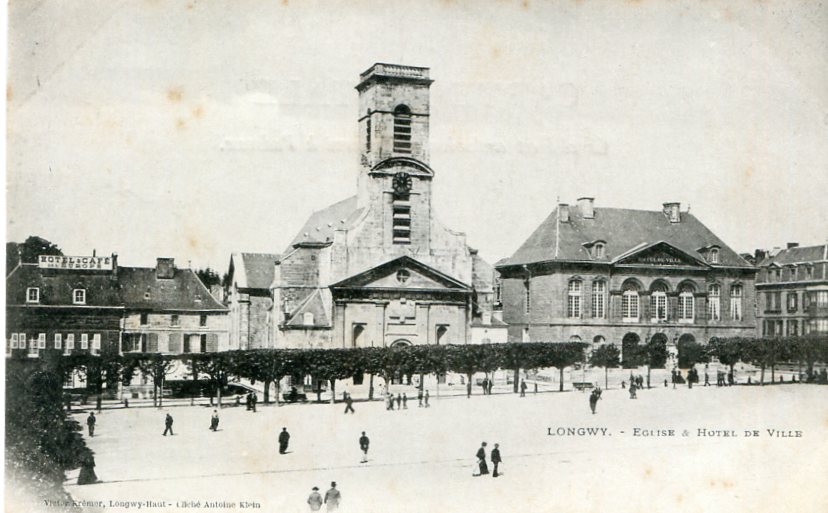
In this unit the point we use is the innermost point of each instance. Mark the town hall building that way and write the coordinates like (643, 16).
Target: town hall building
(377, 268)
(627, 277)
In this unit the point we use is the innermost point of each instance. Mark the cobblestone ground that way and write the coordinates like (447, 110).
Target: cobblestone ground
(422, 459)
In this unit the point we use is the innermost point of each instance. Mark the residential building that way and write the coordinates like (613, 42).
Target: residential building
(623, 276)
(792, 290)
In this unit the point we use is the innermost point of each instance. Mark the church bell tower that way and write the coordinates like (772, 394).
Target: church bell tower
(395, 178)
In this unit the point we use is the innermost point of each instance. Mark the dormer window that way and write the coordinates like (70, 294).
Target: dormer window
(714, 255)
(307, 319)
(33, 295)
(598, 250)
(79, 296)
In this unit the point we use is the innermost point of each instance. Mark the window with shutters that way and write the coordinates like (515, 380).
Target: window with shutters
(599, 299)
(70, 342)
(686, 305)
(793, 298)
(84, 341)
(714, 295)
(401, 223)
(14, 341)
(573, 300)
(96, 342)
(41, 341)
(658, 303)
(402, 129)
(58, 341)
(629, 304)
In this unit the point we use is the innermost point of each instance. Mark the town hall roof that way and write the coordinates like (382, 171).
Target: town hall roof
(621, 231)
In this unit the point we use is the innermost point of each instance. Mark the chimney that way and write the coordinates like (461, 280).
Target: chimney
(563, 212)
(759, 255)
(672, 211)
(585, 205)
(115, 264)
(165, 268)
(793, 245)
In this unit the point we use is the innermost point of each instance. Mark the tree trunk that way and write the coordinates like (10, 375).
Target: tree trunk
(99, 399)
(371, 387)
(266, 391)
(516, 384)
(773, 373)
(468, 385)
(560, 388)
(278, 392)
(762, 376)
(648, 377)
(333, 391)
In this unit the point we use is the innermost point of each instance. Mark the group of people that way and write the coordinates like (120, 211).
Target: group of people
(251, 401)
(482, 466)
(487, 386)
(331, 499)
(721, 376)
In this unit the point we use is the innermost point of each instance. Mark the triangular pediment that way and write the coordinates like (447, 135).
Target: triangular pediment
(402, 273)
(659, 254)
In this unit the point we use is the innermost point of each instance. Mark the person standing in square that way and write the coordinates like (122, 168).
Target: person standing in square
(90, 423)
(284, 438)
(495, 459)
(363, 446)
(168, 423)
(332, 497)
(315, 500)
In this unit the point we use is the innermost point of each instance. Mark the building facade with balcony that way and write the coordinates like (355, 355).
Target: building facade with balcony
(792, 291)
(622, 276)
(378, 269)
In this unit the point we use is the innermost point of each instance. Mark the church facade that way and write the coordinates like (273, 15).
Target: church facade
(378, 269)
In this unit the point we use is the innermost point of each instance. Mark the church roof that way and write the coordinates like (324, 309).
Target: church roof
(322, 224)
(253, 270)
(622, 231)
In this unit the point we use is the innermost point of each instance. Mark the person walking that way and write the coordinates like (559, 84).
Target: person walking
(481, 460)
(419, 398)
(214, 421)
(284, 439)
(490, 385)
(87, 471)
(633, 388)
(425, 398)
(363, 446)
(399, 401)
(496, 460)
(405, 401)
(333, 497)
(90, 423)
(168, 423)
(253, 400)
(248, 401)
(315, 500)
(523, 388)
(594, 396)
(349, 403)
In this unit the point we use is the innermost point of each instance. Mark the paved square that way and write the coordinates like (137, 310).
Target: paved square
(422, 459)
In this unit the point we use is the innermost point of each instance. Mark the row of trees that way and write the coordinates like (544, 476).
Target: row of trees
(269, 366)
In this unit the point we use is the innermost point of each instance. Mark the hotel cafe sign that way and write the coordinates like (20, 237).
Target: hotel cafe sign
(94, 263)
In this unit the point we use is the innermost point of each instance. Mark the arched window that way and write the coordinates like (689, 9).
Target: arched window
(658, 302)
(686, 305)
(402, 129)
(629, 304)
(736, 293)
(599, 250)
(714, 294)
(573, 302)
(714, 255)
(599, 299)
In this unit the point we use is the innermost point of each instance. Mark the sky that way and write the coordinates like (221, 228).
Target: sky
(193, 129)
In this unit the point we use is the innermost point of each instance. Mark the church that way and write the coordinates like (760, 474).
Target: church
(377, 269)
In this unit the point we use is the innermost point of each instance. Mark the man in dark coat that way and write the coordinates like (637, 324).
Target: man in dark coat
(168, 422)
(425, 398)
(214, 421)
(523, 388)
(349, 403)
(399, 401)
(284, 438)
(363, 446)
(495, 459)
(420, 398)
(253, 400)
(481, 460)
(90, 423)
(593, 400)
